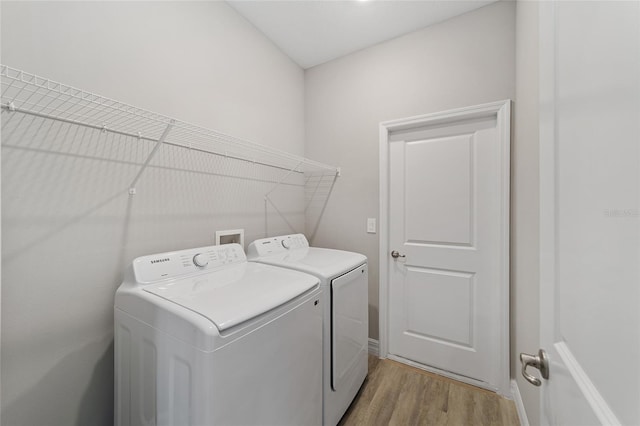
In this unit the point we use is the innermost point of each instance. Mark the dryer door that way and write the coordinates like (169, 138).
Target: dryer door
(349, 324)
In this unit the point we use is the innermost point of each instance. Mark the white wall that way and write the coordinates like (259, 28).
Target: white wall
(465, 61)
(69, 226)
(525, 245)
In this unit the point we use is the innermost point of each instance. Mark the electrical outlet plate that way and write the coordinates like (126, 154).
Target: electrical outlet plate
(229, 236)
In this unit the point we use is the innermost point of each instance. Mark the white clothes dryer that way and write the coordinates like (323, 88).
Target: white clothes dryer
(344, 278)
(203, 337)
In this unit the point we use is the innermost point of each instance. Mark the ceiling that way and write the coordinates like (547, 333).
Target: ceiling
(315, 31)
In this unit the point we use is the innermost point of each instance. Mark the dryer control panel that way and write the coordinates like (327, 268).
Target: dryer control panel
(275, 245)
(175, 264)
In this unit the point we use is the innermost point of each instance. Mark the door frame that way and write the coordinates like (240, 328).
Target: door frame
(501, 110)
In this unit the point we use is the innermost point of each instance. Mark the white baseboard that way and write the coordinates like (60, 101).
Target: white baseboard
(517, 399)
(374, 348)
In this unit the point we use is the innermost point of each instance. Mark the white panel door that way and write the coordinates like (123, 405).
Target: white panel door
(590, 212)
(448, 222)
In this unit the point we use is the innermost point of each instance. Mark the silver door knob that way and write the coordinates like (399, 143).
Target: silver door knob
(540, 361)
(396, 255)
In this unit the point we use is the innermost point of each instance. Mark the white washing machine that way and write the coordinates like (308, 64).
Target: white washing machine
(203, 337)
(344, 278)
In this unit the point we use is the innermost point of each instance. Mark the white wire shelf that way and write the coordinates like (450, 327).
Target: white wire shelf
(37, 96)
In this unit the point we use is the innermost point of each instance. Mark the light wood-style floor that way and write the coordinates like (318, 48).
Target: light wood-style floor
(397, 394)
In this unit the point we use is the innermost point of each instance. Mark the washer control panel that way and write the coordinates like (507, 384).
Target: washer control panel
(163, 266)
(275, 245)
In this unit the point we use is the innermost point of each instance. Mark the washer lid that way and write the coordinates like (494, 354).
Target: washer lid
(321, 262)
(233, 295)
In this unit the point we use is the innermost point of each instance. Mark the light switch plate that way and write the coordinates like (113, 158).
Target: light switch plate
(371, 225)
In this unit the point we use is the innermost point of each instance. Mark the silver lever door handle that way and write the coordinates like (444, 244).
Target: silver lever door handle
(396, 255)
(540, 361)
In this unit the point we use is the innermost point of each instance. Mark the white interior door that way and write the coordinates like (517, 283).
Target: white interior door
(590, 211)
(448, 221)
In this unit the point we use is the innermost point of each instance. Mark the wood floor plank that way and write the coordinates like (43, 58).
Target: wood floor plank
(355, 415)
(461, 406)
(400, 395)
(508, 412)
(384, 400)
(435, 404)
(409, 399)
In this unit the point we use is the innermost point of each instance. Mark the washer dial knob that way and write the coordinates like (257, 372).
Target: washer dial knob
(200, 260)
(286, 244)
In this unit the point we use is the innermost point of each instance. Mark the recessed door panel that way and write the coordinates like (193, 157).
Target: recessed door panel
(439, 190)
(431, 296)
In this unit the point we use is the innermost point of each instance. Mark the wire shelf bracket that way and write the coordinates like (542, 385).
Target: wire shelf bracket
(163, 137)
